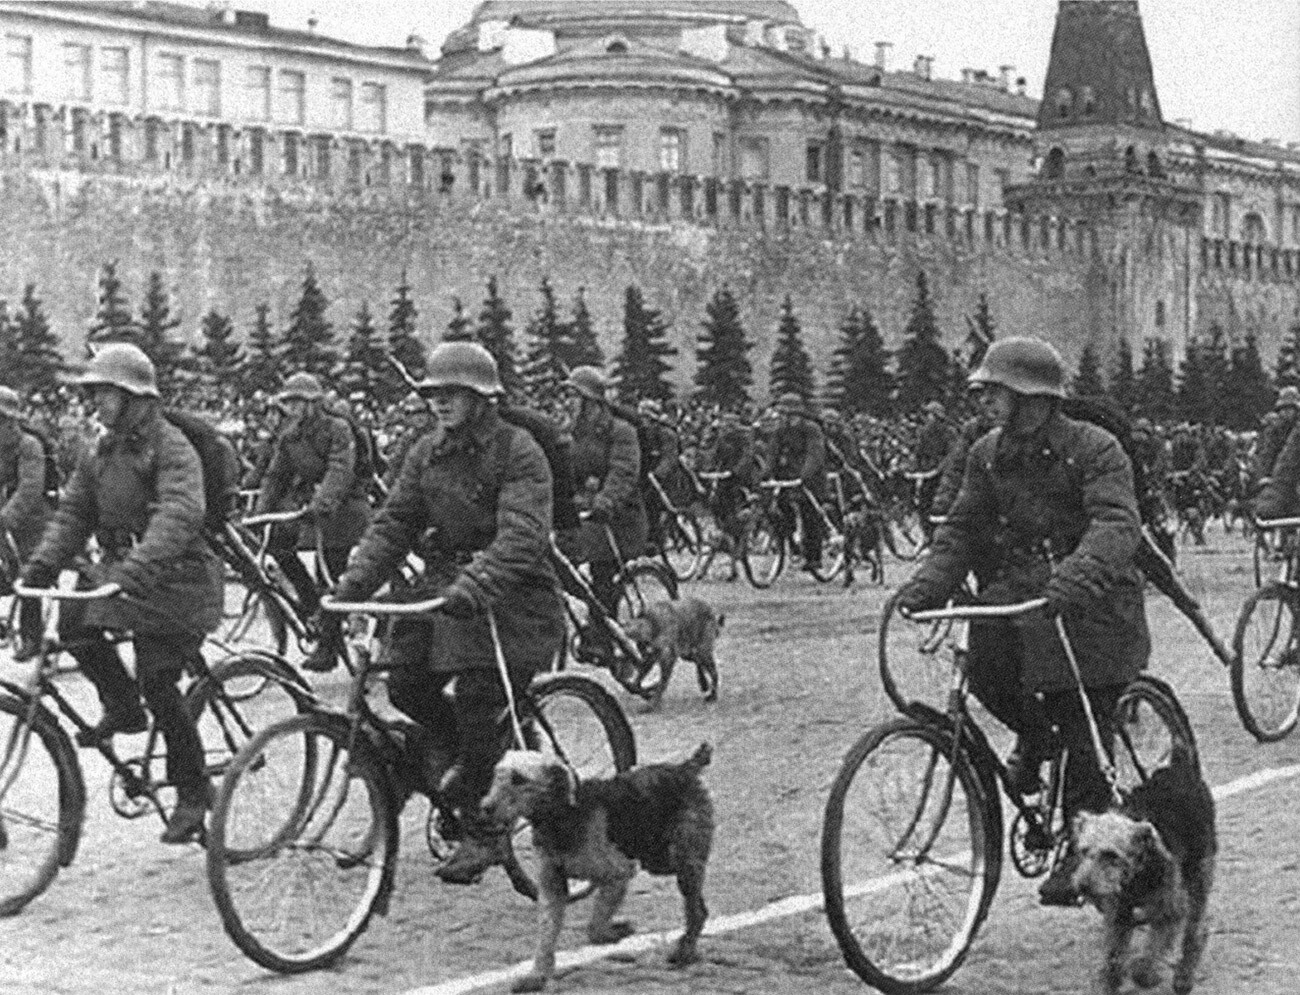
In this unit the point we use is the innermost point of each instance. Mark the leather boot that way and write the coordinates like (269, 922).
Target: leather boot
(1023, 763)
(485, 846)
(126, 721)
(186, 823)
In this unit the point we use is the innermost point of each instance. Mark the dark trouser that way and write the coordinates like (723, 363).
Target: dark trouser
(471, 723)
(1050, 721)
(728, 499)
(159, 661)
(304, 585)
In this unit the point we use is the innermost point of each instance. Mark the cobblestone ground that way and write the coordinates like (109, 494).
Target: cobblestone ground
(799, 685)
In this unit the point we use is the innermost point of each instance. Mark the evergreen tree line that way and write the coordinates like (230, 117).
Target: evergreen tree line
(1215, 383)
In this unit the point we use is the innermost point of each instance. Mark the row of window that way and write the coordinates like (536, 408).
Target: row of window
(885, 172)
(194, 85)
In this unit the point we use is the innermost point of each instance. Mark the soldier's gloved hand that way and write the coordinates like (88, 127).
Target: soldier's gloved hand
(916, 597)
(321, 510)
(39, 575)
(122, 576)
(1064, 592)
(458, 605)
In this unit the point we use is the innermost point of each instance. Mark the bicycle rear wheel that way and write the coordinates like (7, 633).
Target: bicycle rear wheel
(1265, 669)
(297, 865)
(909, 864)
(1149, 722)
(904, 535)
(834, 554)
(42, 803)
(762, 550)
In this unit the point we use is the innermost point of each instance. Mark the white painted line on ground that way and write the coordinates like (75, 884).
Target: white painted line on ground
(783, 909)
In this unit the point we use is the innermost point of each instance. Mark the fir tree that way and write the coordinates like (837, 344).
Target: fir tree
(723, 374)
(8, 347)
(642, 366)
(1248, 394)
(1123, 380)
(364, 366)
(1087, 381)
(981, 332)
(923, 364)
(220, 358)
(403, 345)
(262, 368)
(859, 381)
(38, 361)
(1216, 362)
(498, 337)
(584, 345)
(458, 329)
(113, 322)
(1192, 395)
(153, 333)
(308, 341)
(790, 371)
(548, 341)
(1155, 381)
(1287, 371)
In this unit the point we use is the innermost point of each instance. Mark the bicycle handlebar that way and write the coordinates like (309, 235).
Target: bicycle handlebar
(1276, 523)
(974, 611)
(58, 594)
(781, 485)
(916, 476)
(714, 474)
(330, 604)
(274, 517)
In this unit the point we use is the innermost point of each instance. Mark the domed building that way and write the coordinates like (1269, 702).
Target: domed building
(720, 90)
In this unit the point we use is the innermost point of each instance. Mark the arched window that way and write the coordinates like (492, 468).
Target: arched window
(1154, 166)
(1131, 160)
(1064, 101)
(1089, 100)
(1147, 103)
(1054, 165)
(616, 46)
(1253, 229)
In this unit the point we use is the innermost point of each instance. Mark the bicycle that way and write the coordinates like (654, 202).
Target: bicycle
(640, 583)
(311, 804)
(42, 788)
(912, 838)
(720, 533)
(680, 543)
(1265, 662)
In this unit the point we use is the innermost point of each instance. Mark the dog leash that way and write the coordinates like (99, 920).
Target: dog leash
(1104, 762)
(520, 744)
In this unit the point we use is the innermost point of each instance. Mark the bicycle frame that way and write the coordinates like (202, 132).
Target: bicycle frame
(1283, 542)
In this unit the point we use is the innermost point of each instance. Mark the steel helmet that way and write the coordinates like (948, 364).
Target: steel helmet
(10, 403)
(1287, 397)
(122, 365)
(301, 387)
(1026, 366)
(589, 381)
(462, 364)
(791, 403)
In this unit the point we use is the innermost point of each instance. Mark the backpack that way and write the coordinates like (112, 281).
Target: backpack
(221, 466)
(370, 466)
(53, 478)
(555, 446)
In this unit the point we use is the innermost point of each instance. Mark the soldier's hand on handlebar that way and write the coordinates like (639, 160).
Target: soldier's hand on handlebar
(458, 604)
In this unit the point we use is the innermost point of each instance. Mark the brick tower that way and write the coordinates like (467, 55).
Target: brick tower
(1101, 147)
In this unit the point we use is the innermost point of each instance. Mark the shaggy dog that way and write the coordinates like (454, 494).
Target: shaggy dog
(1151, 863)
(669, 630)
(658, 815)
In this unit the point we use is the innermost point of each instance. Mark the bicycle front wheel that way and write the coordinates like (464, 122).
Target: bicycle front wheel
(42, 803)
(297, 865)
(909, 859)
(683, 546)
(1149, 723)
(762, 550)
(1265, 670)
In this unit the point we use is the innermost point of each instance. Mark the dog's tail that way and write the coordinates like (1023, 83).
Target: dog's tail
(699, 759)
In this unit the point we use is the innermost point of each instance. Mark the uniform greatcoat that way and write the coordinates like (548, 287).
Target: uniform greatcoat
(140, 493)
(605, 450)
(1066, 491)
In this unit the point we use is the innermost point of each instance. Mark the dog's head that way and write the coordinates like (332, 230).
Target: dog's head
(1116, 855)
(524, 781)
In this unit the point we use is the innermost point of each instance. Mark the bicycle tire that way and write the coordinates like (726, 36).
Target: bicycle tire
(1149, 722)
(834, 556)
(1265, 667)
(350, 873)
(898, 960)
(640, 584)
(560, 704)
(682, 550)
(904, 536)
(762, 550)
(42, 803)
(226, 722)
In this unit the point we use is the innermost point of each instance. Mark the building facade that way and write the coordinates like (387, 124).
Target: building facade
(170, 88)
